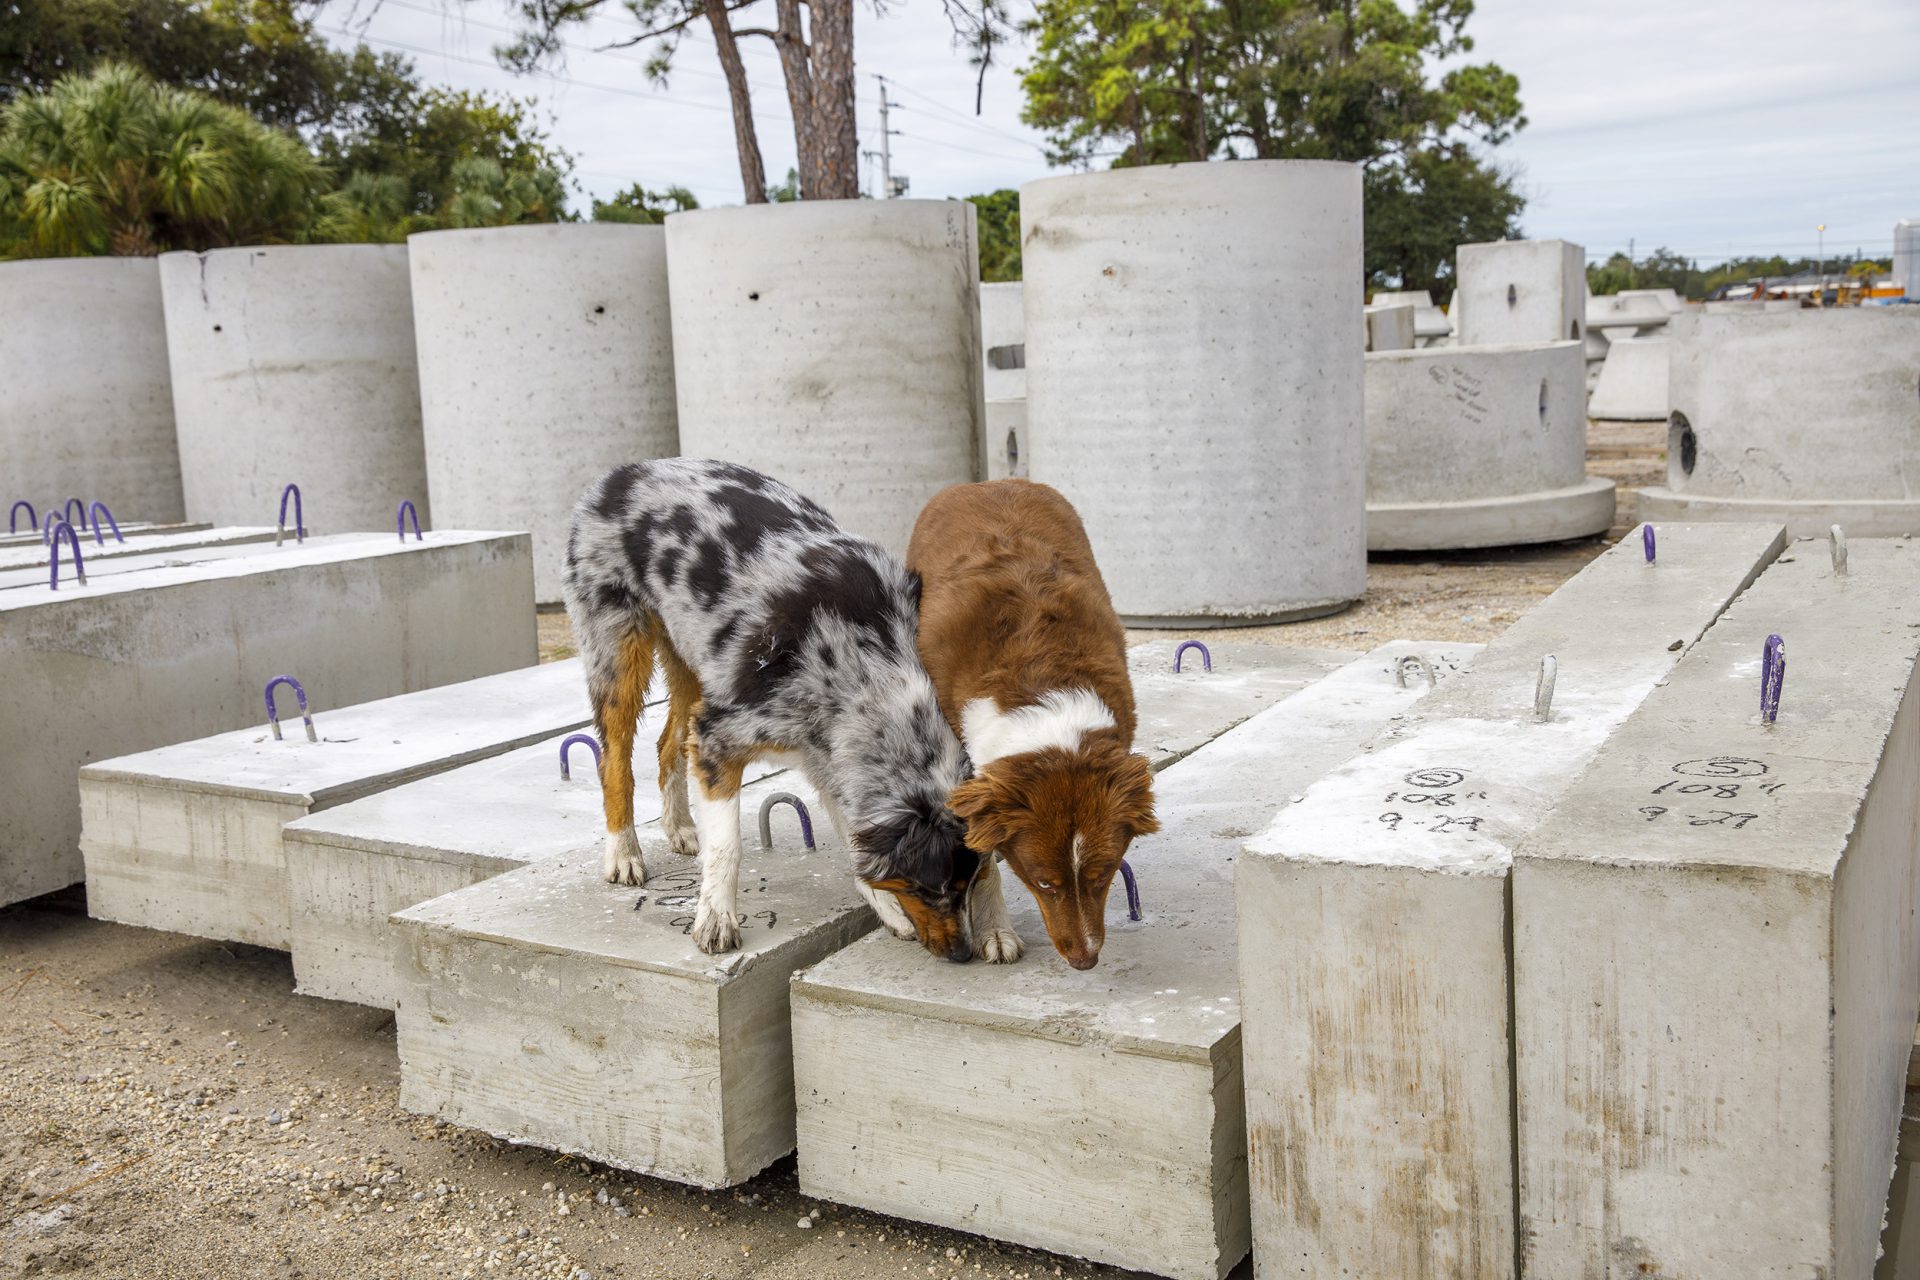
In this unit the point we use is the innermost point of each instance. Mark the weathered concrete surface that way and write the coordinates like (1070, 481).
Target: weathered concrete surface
(1003, 340)
(134, 661)
(1004, 443)
(33, 553)
(1811, 418)
(1390, 327)
(1480, 446)
(187, 838)
(1717, 958)
(1201, 409)
(247, 544)
(835, 344)
(546, 360)
(1633, 383)
(1374, 968)
(88, 410)
(1519, 291)
(1094, 1113)
(295, 363)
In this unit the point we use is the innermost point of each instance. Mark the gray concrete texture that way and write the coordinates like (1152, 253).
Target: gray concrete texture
(1519, 291)
(1478, 447)
(1429, 322)
(1716, 952)
(1005, 450)
(237, 544)
(1096, 1113)
(88, 410)
(139, 660)
(546, 359)
(295, 363)
(188, 838)
(1374, 970)
(1390, 327)
(1194, 382)
(1808, 417)
(1633, 383)
(835, 344)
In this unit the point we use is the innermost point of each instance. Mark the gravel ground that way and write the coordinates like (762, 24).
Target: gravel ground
(168, 1108)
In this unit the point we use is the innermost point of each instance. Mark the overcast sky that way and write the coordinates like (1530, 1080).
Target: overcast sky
(1712, 127)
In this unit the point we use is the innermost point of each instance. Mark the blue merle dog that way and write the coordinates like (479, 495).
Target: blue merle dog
(780, 635)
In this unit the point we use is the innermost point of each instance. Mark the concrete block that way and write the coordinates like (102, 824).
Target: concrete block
(1808, 417)
(1633, 312)
(835, 344)
(1004, 446)
(188, 838)
(1201, 410)
(163, 540)
(1633, 381)
(1092, 1113)
(295, 363)
(134, 661)
(88, 410)
(1390, 327)
(1716, 952)
(1429, 321)
(546, 360)
(1478, 447)
(1003, 341)
(1374, 970)
(1520, 291)
(140, 556)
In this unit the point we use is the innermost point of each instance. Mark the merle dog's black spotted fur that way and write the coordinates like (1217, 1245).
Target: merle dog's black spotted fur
(803, 640)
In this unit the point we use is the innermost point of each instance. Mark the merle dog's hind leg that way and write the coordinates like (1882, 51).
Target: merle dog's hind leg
(617, 684)
(683, 702)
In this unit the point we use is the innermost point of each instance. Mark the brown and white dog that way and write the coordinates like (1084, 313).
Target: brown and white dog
(1029, 662)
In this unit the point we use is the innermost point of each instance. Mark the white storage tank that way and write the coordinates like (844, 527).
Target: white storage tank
(1194, 382)
(834, 344)
(295, 363)
(87, 410)
(546, 359)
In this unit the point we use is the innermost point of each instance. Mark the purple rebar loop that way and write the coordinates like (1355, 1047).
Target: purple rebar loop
(67, 513)
(79, 566)
(299, 517)
(400, 520)
(1646, 540)
(766, 818)
(1773, 677)
(100, 509)
(1133, 891)
(13, 516)
(273, 715)
(585, 739)
(53, 521)
(1206, 659)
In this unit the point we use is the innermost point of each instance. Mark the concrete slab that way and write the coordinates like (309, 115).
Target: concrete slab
(1633, 382)
(133, 661)
(1094, 1113)
(1716, 951)
(187, 838)
(1373, 928)
(32, 553)
(143, 559)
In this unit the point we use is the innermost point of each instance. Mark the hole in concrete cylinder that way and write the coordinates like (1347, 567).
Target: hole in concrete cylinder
(600, 309)
(1013, 453)
(754, 296)
(1683, 447)
(1574, 331)
(1513, 295)
(1543, 400)
(216, 328)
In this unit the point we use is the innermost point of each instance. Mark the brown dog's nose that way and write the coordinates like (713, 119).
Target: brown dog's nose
(1083, 958)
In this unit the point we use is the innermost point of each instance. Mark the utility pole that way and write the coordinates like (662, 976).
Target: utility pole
(887, 191)
(1821, 269)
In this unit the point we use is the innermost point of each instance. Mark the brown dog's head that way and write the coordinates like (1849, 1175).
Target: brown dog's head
(1063, 820)
(922, 859)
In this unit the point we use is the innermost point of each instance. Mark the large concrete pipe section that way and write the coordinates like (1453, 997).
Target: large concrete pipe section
(295, 363)
(87, 411)
(834, 344)
(1810, 418)
(546, 358)
(1480, 447)
(1194, 382)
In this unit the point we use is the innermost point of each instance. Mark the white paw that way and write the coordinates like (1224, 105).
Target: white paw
(1000, 946)
(622, 863)
(683, 838)
(903, 931)
(715, 931)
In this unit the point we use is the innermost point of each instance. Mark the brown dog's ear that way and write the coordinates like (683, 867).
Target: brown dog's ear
(982, 805)
(1132, 792)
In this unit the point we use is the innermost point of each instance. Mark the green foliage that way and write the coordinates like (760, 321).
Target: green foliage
(999, 221)
(1424, 206)
(649, 208)
(1664, 269)
(784, 192)
(112, 163)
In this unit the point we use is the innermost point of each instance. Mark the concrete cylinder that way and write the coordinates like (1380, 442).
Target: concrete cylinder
(1194, 382)
(295, 363)
(1808, 417)
(1003, 336)
(834, 344)
(546, 358)
(87, 411)
(1480, 447)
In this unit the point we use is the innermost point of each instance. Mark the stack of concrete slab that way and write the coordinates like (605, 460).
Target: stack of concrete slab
(188, 838)
(1373, 924)
(170, 542)
(31, 567)
(1809, 417)
(1098, 1112)
(1003, 340)
(511, 990)
(135, 660)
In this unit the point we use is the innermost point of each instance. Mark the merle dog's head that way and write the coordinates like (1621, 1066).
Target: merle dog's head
(920, 856)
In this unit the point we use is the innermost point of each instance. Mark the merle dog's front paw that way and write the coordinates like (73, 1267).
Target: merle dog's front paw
(999, 946)
(715, 931)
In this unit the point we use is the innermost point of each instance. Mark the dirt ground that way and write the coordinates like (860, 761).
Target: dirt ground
(169, 1108)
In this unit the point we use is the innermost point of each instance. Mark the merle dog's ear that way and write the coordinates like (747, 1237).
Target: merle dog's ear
(914, 584)
(926, 850)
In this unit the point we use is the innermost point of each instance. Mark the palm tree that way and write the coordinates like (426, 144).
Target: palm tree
(113, 163)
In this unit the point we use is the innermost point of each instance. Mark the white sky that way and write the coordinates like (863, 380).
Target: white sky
(1712, 127)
